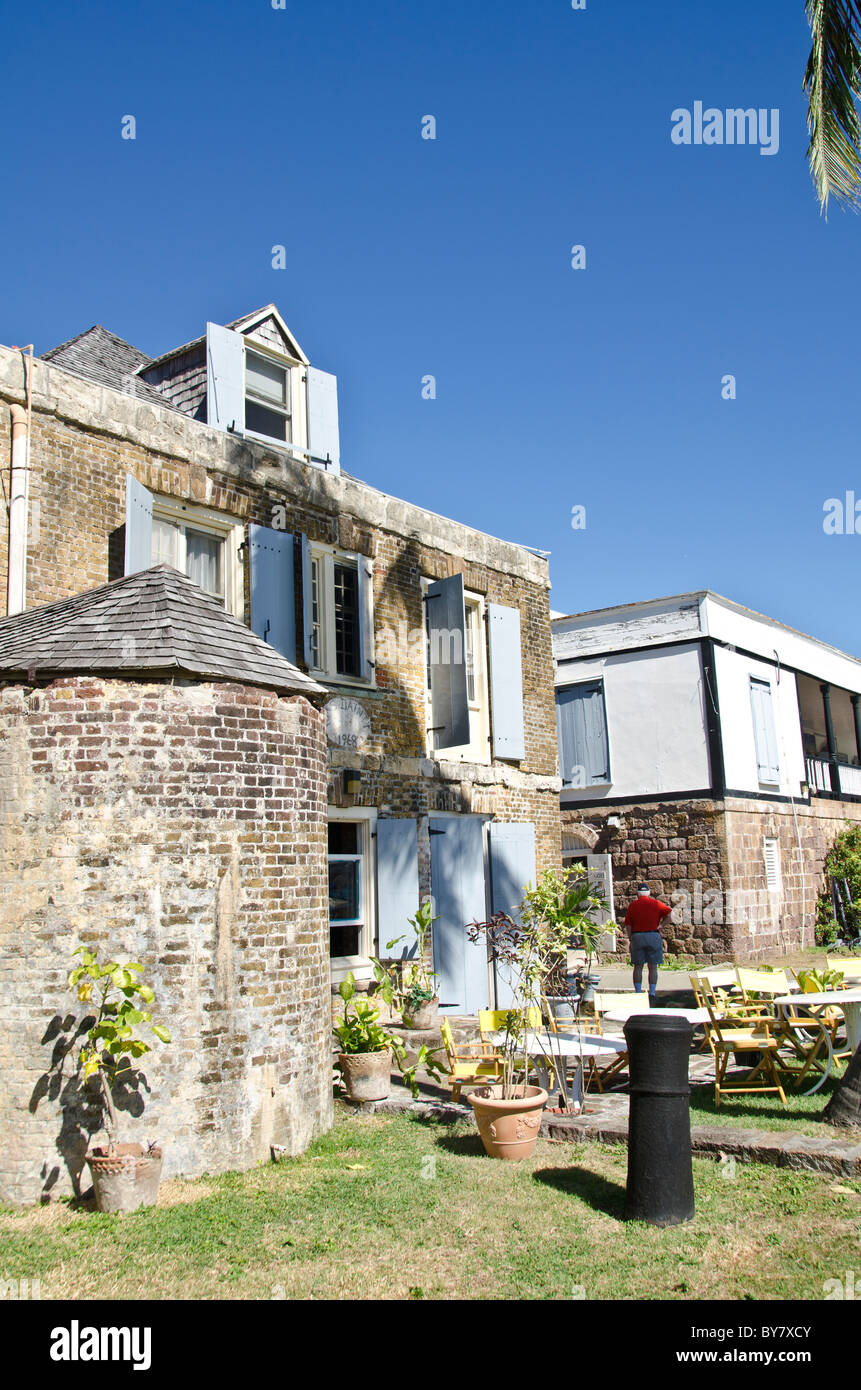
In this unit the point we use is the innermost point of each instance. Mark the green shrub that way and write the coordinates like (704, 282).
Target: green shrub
(843, 861)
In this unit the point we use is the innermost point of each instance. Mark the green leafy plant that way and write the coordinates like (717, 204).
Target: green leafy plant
(843, 867)
(815, 981)
(359, 1031)
(411, 983)
(112, 1041)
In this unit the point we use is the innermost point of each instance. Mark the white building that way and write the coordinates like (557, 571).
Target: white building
(716, 753)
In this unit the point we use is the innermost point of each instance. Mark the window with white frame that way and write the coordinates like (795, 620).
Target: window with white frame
(475, 658)
(352, 921)
(268, 397)
(201, 544)
(338, 614)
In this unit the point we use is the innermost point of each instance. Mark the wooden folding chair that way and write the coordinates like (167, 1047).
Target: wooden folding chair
(726, 1042)
(475, 1063)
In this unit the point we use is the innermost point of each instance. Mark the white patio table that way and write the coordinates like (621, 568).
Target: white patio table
(849, 1000)
(544, 1048)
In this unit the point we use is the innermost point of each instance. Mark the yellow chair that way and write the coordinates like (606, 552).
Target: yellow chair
(493, 1020)
(713, 991)
(469, 1064)
(726, 1042)
(849, 967)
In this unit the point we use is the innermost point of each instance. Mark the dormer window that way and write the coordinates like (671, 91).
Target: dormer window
(267, 398)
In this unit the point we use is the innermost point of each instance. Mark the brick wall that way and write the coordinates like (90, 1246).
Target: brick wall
(774, 922)
(87, 437)
(182, 825)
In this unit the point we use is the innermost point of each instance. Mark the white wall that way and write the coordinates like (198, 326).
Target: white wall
(655, 721)
(771, 640)
(733, 672)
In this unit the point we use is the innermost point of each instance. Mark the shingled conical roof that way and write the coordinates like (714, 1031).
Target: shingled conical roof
(155, 623)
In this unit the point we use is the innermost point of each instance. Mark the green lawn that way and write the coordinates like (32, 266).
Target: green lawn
(398, 1207)
(801, 1113)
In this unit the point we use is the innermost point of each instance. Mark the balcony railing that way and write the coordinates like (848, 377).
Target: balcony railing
(819, 777)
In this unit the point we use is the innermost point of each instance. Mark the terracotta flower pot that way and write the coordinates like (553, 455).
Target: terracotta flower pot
(508, 1128)
(126, 1179)
(424, 1018)
(367, 1075)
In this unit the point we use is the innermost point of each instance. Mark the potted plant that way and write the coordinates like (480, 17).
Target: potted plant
(417, 992)
(125, 1176)
(367, 1049)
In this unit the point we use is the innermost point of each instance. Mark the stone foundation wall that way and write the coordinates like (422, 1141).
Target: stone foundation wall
(182, 825)
(706, 858)
(679, 849)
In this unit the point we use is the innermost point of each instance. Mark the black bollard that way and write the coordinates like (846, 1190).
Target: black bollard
(660, 1186)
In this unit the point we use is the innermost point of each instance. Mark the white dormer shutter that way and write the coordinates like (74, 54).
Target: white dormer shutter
(323, 438)
(225, 378)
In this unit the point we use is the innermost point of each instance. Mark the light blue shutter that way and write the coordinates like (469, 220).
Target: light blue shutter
(397, 882)
(458, 886)
(506, 681)
(225, 378)
(581, 726)
(764, 733)
(138, 526)
(512, 866)
(307, 599)
(323, 436)
(273, 613)
(366, 617)
(447, 637)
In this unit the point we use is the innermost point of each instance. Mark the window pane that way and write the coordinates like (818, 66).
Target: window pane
(471, 617)
(343, 890)
(346, 620)
(203, 561)
(165, 542)
(344, 941)
(262, 421)
(315, 613)
(266, 379)
(343, 837)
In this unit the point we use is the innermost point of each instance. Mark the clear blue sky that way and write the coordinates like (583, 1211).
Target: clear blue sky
(556, 387)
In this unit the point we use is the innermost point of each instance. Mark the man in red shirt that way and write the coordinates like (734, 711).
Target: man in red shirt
(644, 918)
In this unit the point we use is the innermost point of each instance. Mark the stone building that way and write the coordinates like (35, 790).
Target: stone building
(432, 640)
(713, 752)
(162, 789)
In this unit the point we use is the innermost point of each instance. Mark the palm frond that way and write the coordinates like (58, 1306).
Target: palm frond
(832, 81)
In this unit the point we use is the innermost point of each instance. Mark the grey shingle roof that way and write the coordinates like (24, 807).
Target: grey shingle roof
(155, 623)
(102, 356)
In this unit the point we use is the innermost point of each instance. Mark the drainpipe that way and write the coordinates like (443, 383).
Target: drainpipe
(19, 501)
(829, 735)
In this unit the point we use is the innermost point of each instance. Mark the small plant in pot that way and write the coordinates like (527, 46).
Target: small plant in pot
(125, 1176)
(367, 1050)
(417, 992)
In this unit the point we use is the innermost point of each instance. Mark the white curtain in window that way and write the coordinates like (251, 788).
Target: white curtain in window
(203, 561)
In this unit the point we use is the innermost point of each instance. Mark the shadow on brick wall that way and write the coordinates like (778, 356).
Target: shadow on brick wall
(77, 1102)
